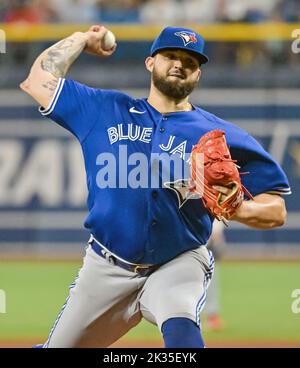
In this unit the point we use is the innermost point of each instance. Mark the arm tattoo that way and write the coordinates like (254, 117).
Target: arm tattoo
(51, 86)
(60, 56)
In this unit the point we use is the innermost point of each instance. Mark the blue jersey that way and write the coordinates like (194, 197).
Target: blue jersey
(145, 223)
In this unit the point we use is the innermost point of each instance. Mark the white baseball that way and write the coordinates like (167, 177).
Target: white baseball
(108, 41)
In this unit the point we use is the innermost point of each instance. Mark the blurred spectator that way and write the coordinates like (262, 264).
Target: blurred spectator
(203, 11)
(164, 12)
(149, 11)
(47, 12)
(21, 11)
(119, 11)
(76, 11)
(30, 11)
(179, 11)
(289, 10)
(4, 4)
(246, 11)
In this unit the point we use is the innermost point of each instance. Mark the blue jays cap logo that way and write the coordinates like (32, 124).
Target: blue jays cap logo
(187, 37)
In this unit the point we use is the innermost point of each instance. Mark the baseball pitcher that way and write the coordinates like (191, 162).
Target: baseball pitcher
(147, 256)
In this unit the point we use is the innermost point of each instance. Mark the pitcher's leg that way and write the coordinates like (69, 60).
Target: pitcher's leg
(178, 291)
(181, 333)
(111, 325)
(100, 307)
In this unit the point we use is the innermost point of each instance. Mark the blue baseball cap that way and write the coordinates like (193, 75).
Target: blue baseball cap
(180, 38)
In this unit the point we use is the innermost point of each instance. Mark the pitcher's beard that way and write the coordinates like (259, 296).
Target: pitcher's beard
(174, 89)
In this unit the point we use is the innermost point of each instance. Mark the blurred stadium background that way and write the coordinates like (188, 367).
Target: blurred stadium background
(253, 80)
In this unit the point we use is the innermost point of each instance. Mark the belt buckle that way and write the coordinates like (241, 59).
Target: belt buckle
(140, 267)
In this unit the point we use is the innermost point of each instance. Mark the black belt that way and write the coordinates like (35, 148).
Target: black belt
(139, 269)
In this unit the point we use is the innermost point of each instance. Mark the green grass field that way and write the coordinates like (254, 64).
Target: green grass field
(255, 297)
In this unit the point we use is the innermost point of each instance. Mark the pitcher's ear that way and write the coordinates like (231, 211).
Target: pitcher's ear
(199, 73)
(149, 62)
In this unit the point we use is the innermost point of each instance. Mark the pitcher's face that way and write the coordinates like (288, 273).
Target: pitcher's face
(175, 73)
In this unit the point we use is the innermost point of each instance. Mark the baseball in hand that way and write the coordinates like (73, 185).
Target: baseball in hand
(108, 41)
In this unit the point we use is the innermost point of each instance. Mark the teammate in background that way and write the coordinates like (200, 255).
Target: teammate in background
(146, 256)
(212, 308)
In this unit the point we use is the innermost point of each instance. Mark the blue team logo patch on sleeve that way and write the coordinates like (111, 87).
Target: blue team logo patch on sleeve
(187, 37)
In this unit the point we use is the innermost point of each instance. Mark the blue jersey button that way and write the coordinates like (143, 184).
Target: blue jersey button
(154, 194)
(162, 130)
(154, 223)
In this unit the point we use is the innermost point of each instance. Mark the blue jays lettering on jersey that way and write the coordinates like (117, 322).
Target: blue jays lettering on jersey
(144, 224)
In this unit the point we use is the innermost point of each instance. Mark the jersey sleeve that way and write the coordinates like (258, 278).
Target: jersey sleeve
(262, 174)
(75, 107)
